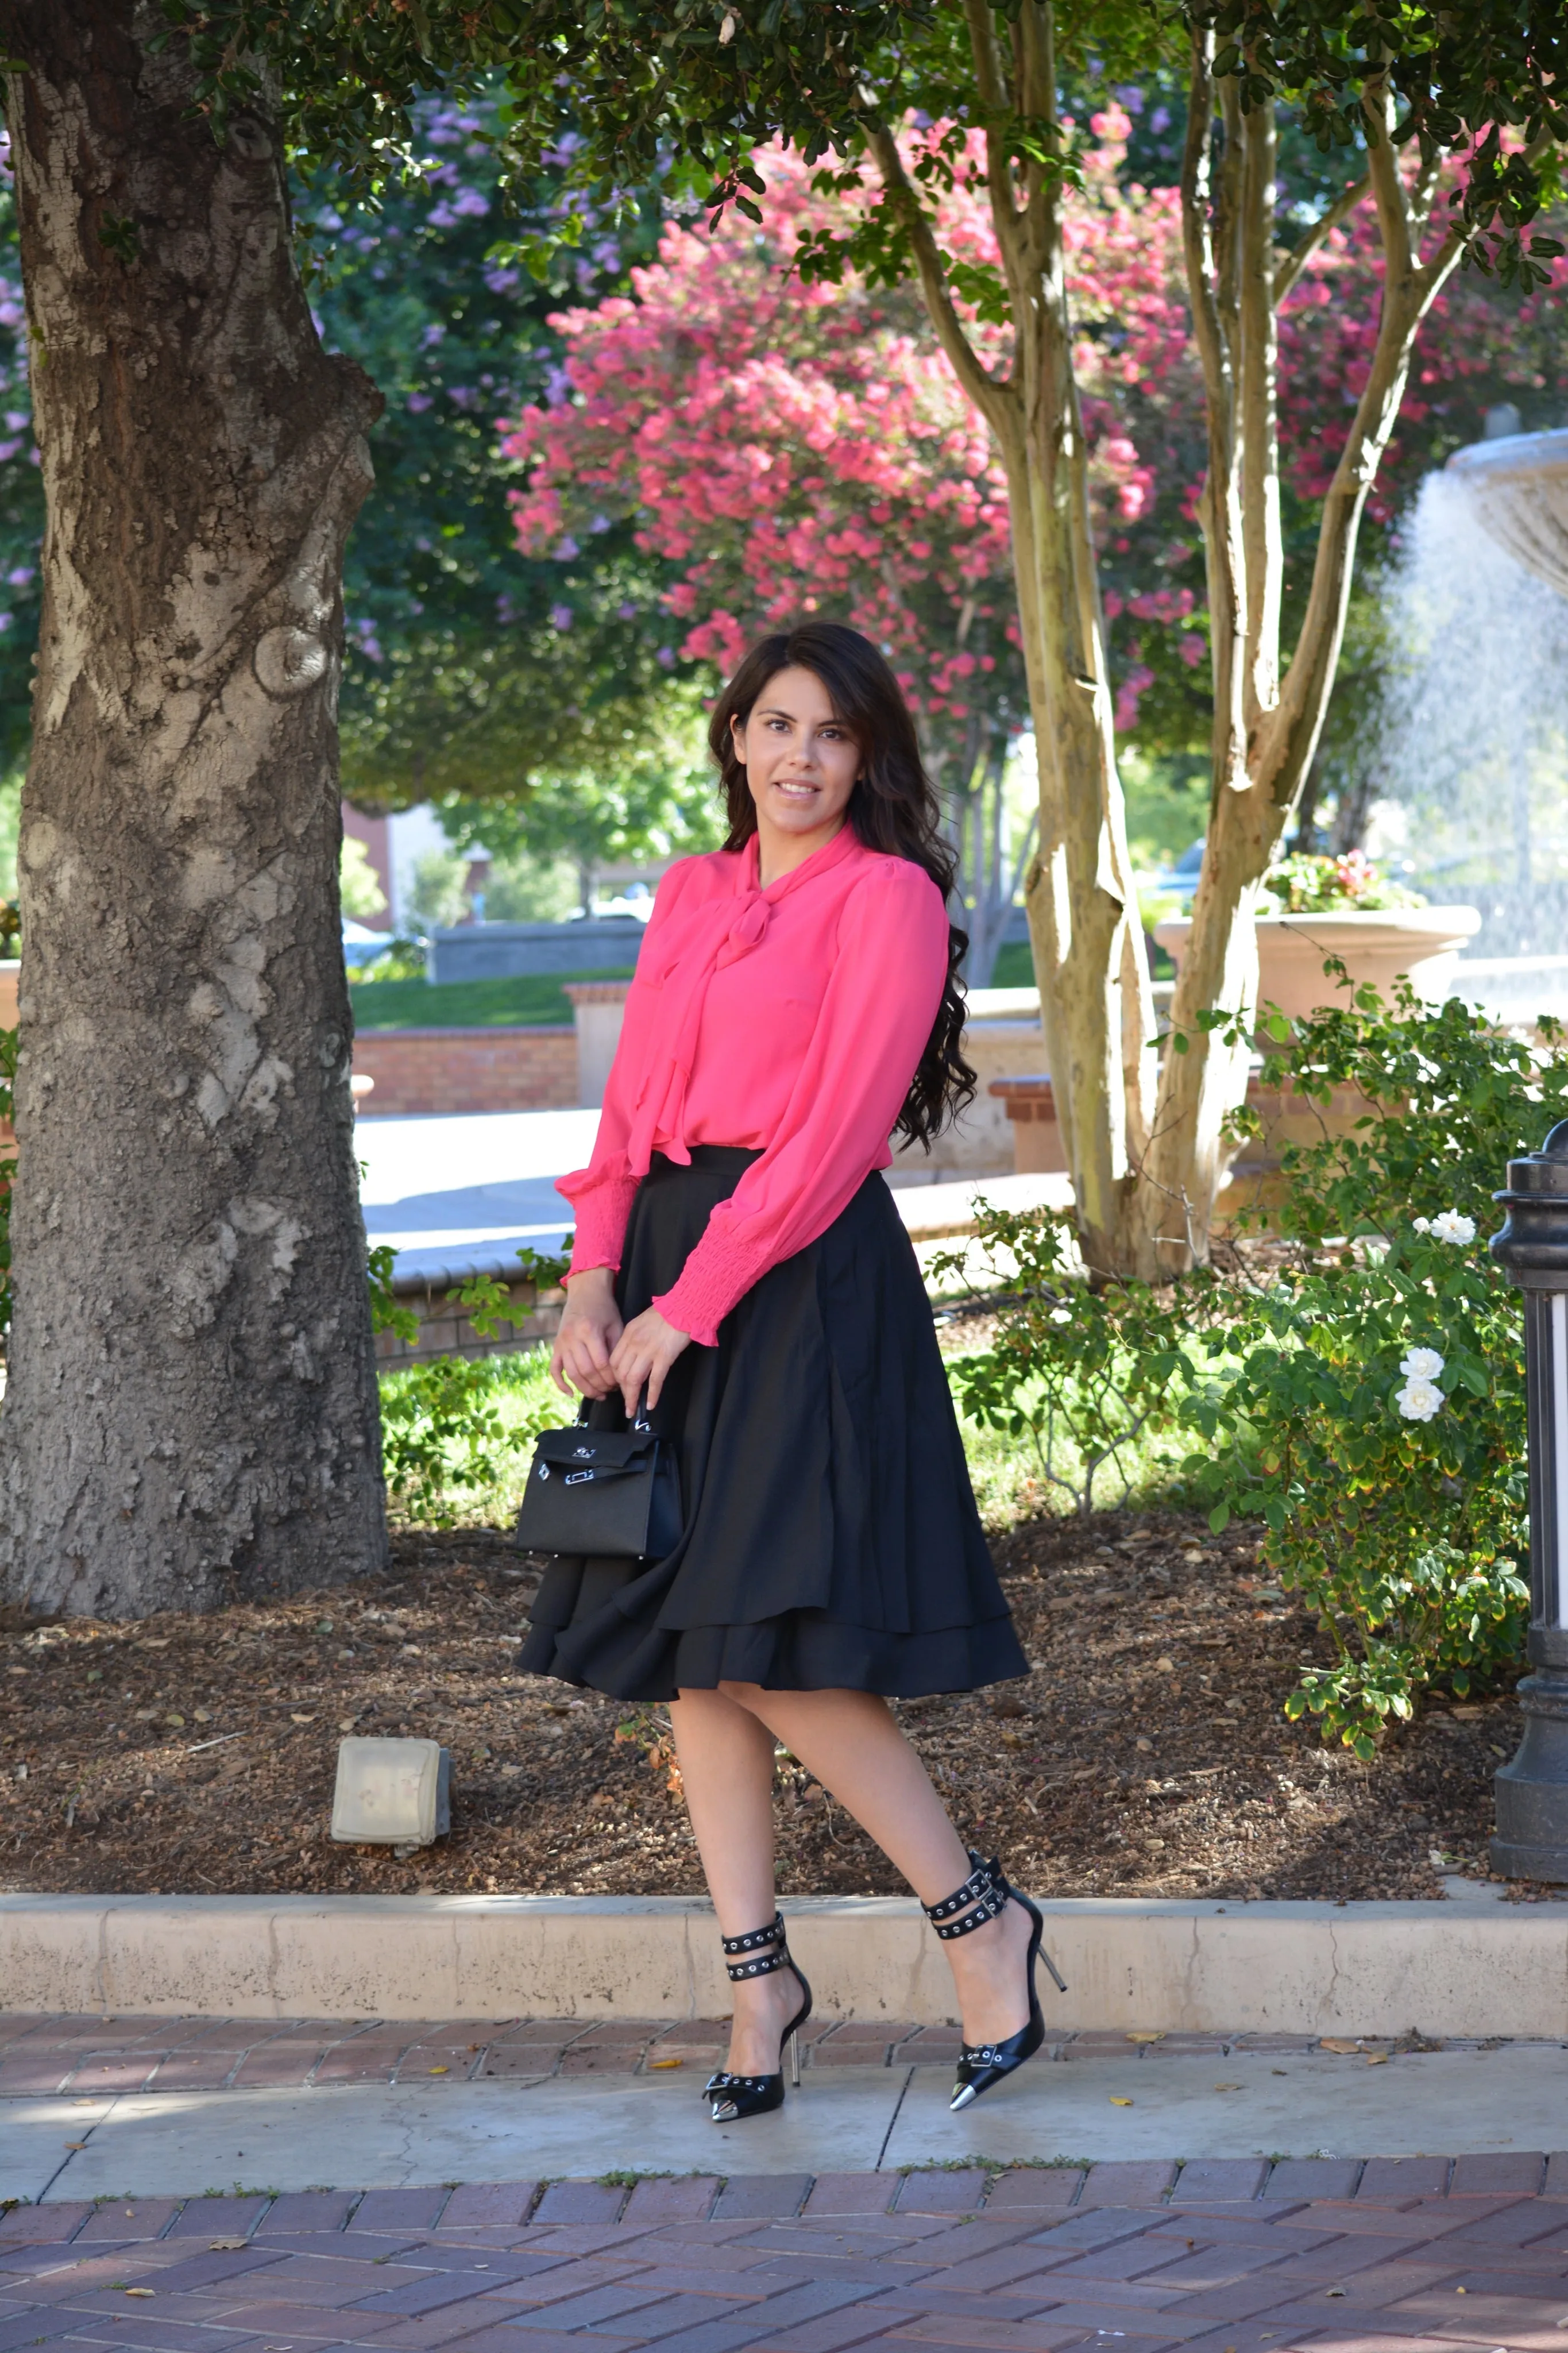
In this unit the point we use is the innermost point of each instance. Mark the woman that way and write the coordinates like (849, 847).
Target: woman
(739, 1257)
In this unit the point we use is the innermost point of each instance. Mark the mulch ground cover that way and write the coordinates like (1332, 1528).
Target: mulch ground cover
(1145, 1754)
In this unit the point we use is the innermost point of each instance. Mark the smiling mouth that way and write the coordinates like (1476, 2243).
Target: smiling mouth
(797, 786)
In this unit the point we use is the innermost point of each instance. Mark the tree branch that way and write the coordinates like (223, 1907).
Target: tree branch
(1290, 736)
(1395, 225)
(1286, 272)
(1256, 370)
(1221, 517)
(990, 75)
(1197, 243)
(995, 400)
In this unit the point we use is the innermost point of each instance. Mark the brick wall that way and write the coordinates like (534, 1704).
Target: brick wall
(532, 1069)
(445, 1329)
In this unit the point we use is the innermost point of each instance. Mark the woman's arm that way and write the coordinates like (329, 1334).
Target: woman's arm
(602, 1194)
(875, 1018)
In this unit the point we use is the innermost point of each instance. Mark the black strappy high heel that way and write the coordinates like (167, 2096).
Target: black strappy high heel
(734, 2096)
(985, 1895)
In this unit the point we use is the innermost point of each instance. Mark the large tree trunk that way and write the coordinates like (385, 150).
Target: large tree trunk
(192, 1404)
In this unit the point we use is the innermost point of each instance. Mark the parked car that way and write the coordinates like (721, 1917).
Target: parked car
(360, 945)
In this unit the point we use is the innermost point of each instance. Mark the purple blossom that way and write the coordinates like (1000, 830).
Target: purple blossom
(471, 204)
(557, 388)
(16, 421)
(501, 281)
(419, 401)
(1160, 120)
(561, 616)
(1130, 96)
(625, 612)
(434, 333)
(369, 644)
(566, 548)
(11, 314)
(665, 657)
(8, 450)
(461, 396)
(6, 620)
(22, 575)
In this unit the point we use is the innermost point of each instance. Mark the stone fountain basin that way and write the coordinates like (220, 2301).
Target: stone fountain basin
(1422, 942)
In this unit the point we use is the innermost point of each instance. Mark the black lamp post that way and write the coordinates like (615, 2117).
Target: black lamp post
(1531, 1840)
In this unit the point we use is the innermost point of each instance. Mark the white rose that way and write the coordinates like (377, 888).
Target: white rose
(1450, 1227)
(1422, 1363)
(1061, 1315)
(1419, 1400)
(1422, 1225)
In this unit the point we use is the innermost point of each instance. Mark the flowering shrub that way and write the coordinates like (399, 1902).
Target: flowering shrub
(1396, 1507)
(785, 447)
(1357, 1383)
(1377, 1421)
(1306, 885)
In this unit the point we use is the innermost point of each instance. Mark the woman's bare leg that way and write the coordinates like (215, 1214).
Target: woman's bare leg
(850, 1742)
(726, 1755)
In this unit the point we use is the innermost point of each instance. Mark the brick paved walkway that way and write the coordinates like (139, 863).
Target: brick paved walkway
(39, 2056)
(1413, 2256)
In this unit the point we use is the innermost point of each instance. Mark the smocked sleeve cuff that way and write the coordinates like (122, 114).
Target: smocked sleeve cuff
(601, 1221)
(713, 1281)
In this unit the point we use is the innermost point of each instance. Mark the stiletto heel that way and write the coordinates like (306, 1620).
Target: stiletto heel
(732, 2098)
(984, 1896)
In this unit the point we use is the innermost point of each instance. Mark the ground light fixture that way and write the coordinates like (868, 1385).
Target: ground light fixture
(395, 1793)
(1531, 1840)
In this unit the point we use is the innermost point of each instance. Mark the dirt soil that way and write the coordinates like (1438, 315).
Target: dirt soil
(1146, 1754)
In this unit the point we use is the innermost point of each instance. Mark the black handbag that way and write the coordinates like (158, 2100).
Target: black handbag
(612, 1492)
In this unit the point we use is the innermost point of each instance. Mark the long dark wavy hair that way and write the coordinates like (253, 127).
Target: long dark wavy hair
(893, 808)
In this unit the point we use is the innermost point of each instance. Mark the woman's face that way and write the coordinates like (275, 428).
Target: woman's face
(801, 762)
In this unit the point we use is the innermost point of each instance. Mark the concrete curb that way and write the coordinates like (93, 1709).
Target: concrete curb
(1464, 1968)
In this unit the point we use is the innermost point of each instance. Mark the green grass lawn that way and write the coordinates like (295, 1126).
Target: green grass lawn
(1015, 965)
(467, 1003)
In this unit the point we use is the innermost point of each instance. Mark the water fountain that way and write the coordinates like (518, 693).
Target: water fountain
(1474, 734)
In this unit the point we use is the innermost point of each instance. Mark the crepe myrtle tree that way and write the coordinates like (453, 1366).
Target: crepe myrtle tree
(689, 92)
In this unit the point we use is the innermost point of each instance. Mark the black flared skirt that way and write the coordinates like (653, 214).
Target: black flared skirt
(830, 1539)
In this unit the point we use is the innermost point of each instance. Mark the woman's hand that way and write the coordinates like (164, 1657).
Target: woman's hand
(590, 1329)
(643, 1355)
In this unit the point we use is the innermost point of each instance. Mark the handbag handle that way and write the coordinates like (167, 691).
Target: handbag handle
(639, 1420)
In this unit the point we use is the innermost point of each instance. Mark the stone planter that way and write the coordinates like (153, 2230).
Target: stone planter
(1422, 942)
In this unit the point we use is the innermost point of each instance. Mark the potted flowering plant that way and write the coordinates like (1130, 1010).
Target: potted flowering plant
(1314, 909)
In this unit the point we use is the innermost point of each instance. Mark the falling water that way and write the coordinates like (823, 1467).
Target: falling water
(1474, 724)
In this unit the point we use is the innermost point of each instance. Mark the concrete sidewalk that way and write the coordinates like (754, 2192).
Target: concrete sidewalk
(90, 2109)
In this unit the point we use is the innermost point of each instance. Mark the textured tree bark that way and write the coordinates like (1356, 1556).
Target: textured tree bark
(1266, 722)
(1095, 1005)
(192, 1407)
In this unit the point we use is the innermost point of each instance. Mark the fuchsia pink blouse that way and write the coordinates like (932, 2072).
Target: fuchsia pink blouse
(790, 1019)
